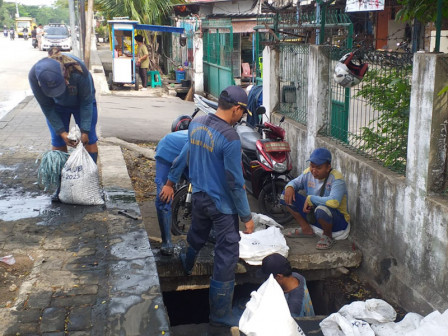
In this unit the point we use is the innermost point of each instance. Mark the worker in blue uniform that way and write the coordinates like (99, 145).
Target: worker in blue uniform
(219, 197)
(63, 86)
(167, 152)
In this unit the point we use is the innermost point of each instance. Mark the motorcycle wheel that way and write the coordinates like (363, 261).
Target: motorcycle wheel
(269, 202)
(181, 212)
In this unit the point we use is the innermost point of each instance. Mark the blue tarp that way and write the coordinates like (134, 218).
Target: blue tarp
(166, 29)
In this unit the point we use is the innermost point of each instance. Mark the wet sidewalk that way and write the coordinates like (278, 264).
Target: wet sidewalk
(80, 270)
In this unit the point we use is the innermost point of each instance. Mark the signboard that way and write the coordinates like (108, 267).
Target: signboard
(364, 5)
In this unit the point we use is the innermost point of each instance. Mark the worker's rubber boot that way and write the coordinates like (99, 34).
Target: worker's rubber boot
(164, 218)
(220, 300)
(188, 258)
(55, 196)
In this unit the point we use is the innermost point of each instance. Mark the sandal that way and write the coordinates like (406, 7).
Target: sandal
(297, 233)
(325, 243)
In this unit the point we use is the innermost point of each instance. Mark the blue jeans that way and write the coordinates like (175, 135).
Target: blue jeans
(329, 215)
(205, 215)
(65, 113)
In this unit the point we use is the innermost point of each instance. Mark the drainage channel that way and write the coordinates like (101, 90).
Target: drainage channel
(188, 310)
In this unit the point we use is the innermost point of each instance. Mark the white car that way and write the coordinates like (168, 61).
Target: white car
(56, 35)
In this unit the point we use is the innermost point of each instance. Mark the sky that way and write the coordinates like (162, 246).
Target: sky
(33, 2)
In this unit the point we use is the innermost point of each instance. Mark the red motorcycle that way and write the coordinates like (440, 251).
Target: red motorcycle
(266, 163)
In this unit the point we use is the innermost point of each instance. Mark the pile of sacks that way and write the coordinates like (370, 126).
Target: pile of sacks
(376, 317)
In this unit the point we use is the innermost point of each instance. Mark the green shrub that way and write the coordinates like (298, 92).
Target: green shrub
(388, 91)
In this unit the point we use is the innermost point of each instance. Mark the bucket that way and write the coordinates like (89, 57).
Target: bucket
(180, 75)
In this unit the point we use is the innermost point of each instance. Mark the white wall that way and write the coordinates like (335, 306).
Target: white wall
(397, 222)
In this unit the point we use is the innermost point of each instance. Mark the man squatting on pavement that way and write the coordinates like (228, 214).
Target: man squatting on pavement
(63, 87)
(218, 198)
(325, 203)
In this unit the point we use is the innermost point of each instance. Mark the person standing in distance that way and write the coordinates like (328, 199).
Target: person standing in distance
(63, 86)
(39, 34)
(142, 61)
(219, 197)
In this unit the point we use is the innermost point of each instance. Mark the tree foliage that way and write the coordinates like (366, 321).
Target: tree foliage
(144, 11)
(423, 10)
(389, 93)
(42, 14)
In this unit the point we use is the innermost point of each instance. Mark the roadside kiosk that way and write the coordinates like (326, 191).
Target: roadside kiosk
(124, 48)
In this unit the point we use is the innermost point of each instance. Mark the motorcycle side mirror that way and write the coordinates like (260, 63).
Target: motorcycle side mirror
(260, 110)
(282, 119)
(183, 40)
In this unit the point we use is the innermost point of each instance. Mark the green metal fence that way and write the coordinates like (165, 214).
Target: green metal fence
(373, 117)
(218, 47)
(294, 81)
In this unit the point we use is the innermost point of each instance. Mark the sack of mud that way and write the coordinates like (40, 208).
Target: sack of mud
(267, 313)
(80, 180)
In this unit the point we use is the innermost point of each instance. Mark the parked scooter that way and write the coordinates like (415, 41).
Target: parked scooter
(12, 34)
(25, 36)
(266, 164)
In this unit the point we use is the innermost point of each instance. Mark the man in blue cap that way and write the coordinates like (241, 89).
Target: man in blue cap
(219, 198)
(63, 86)
(325, 203)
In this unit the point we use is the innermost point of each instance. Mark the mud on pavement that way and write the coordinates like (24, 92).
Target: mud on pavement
(59, 251)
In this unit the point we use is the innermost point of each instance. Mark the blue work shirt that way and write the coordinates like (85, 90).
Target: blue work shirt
(215, 165)
(170, 150)
(80, 93)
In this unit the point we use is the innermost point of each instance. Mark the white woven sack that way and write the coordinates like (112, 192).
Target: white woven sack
(409, 323)
(254, 247)
(267, 313)
(338, 325)
(371, 311)
(80, 181)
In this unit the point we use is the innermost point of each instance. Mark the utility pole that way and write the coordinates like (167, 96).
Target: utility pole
(17, 10)
(82, 26)
(71, 8)
(88, 33)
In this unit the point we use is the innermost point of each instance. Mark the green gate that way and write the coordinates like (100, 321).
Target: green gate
(336, 31)
(218, 46)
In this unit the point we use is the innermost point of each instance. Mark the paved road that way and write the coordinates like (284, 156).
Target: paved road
(14, 67)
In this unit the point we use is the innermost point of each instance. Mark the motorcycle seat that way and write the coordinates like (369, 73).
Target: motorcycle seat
(248, 137)
(210, 103)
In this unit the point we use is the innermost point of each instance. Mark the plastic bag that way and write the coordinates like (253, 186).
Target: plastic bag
(75, 133)
(8, 260)
(432, 324)
(254, 247)
(371, 311)
(262, 222)
(267, 313)
(338, 325)
(80, 181)
(409, 323)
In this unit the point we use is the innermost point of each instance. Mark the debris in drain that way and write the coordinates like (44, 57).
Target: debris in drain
(125, 213)
(9, 260)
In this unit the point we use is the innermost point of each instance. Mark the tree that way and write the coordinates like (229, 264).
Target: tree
(423, 10)
(153, 12)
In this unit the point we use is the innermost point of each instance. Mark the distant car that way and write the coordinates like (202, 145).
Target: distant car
(56, 35)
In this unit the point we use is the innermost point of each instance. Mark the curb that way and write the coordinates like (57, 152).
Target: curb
(132, 278)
